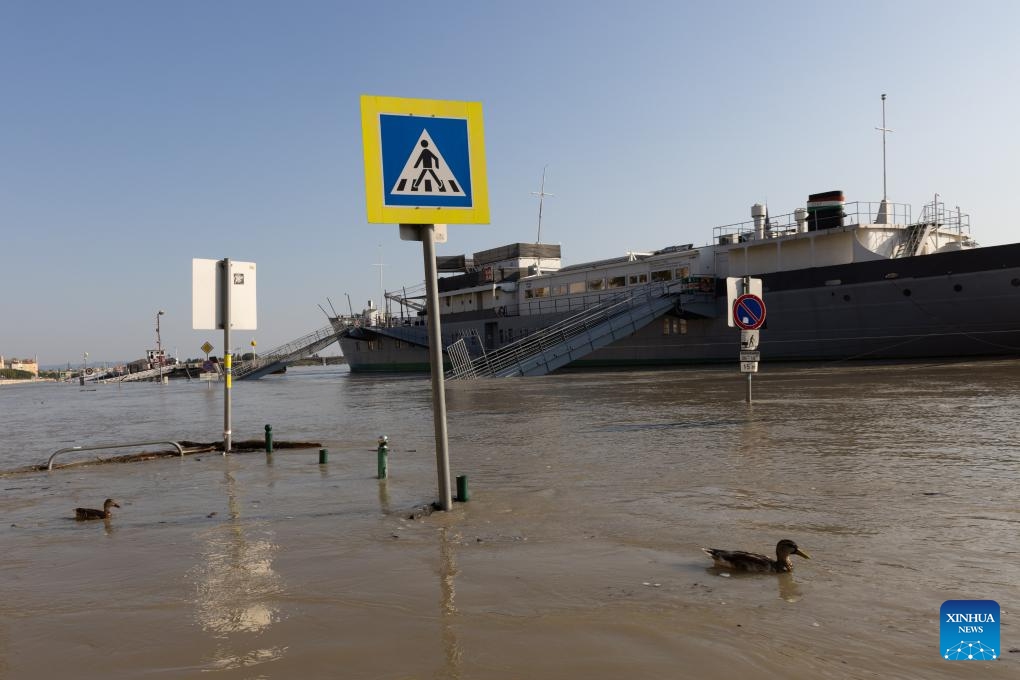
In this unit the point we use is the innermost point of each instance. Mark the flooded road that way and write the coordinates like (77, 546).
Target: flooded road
(578, 555)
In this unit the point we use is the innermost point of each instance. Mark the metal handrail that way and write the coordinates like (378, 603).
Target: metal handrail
(514, 354)
(285, 352)
(49, 463)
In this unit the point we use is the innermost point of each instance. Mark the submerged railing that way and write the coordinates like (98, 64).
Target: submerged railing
(71, 449)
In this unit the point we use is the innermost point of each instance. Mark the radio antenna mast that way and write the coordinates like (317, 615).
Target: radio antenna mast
(541, 193)
(883, 130)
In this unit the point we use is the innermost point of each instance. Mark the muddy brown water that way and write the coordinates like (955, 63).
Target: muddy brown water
(576, 557)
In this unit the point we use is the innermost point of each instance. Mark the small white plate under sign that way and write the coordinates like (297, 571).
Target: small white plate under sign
(409, 232)
(748, 366)
(750, 356)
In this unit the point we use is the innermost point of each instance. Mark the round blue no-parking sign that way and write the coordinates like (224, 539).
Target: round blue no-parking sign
(749, 312)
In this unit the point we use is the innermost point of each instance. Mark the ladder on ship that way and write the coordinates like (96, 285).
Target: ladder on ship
(914, 236)
(561, 343)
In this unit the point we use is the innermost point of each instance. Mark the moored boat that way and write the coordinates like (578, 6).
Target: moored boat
(841, 280)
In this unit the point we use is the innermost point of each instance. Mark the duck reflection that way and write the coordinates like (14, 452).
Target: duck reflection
(788, 588)
(235, 584)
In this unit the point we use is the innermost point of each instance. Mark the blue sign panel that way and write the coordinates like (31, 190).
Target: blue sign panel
(425, 161)
(749, 312)
(969, 630)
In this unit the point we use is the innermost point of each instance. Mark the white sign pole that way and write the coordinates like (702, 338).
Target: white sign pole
(227, 357)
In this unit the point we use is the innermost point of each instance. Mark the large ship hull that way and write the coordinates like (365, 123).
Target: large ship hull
(963, 303)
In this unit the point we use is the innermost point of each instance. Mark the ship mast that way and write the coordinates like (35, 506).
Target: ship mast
(883, 210)
(541, 193)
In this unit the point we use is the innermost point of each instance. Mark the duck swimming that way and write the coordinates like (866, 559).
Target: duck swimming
(739, 560)
(81, 514)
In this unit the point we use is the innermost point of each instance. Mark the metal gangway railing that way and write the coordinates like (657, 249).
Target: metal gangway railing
(149, 374)
(567, 340)
(292, 351)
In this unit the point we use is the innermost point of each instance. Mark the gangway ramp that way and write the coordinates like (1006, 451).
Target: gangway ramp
(150, 374)
(566, 341)
(275, 359)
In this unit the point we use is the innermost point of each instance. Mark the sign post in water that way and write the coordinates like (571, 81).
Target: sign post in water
(223, 296)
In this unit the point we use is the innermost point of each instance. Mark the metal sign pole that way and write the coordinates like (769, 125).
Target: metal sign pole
(427, 234)
(227, 358)
(749, 388)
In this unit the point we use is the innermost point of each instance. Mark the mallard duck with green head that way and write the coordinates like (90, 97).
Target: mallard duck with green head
(738, 560)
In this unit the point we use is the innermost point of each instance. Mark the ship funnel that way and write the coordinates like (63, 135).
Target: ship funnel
(759, 213)
(800, 215)
(883, 213)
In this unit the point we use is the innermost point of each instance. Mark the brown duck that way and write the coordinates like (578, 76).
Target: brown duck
(81, 514)
(738, 560)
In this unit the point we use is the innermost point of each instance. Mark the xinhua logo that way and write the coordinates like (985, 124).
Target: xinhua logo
(969, 630)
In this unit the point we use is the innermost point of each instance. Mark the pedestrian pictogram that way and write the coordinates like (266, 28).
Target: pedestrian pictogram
(424, 161)
(426, 171)
(749, 312)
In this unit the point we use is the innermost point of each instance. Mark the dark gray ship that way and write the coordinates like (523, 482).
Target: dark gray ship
(842, 281)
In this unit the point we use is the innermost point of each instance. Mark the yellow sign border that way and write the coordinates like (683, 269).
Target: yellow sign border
(378, 213)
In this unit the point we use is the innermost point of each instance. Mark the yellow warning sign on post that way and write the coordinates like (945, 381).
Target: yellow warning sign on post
(424, 161)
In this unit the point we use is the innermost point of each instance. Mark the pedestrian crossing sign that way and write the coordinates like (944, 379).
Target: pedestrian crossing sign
(424, 161)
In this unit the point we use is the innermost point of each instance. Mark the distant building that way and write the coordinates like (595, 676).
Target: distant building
(30, 365)
(2, 361)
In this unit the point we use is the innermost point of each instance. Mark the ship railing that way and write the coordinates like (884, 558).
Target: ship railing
(511, 357)
(412, 299)
(857, 212)
(945, 218)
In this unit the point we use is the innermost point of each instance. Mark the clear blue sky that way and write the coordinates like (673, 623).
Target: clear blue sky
(135, 136)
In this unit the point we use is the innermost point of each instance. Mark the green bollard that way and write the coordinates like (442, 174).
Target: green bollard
(269, 438)
(323, 456)
(381, 454)
(462, 489)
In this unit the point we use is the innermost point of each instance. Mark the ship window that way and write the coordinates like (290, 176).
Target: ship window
(1015, 283)
(683, 272)
(542, 291)
(577, 287)
(638, 278)
(502, 336)
(447, 301)
(596, 284)
(617, 281)
(560, 290)
(674, 326)
(957, 288)
(662, 275)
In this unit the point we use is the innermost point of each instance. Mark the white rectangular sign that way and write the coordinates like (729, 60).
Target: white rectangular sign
(207, 295)
(748, 366)
(750, 356)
